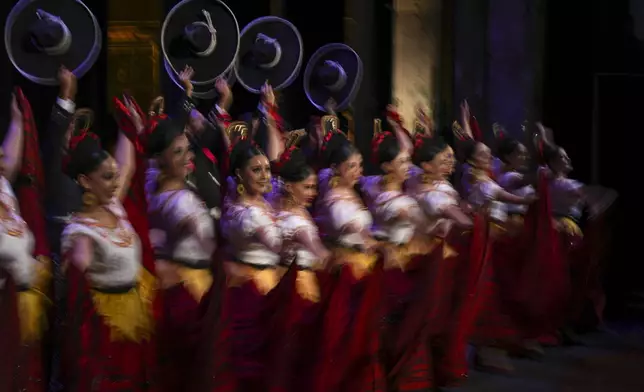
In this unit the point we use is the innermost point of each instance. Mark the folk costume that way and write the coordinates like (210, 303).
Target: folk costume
(26, 270)
(350, 353)
(109, 323)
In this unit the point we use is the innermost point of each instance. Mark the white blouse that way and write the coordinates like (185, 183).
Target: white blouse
(435, 200)
(240, 225)
(291, 225)
(335, 211)
(504, 180)
(168, 212)
(386, 207)
(564, 200)
(484, 193)
(117, 251)
(16, 240)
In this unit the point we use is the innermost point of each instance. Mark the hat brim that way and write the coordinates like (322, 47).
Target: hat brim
(39, 67)
(318, 94)
(204, 91)
(252, 77)
(207, 69)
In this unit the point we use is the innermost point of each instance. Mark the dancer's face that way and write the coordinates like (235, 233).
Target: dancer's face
(519, 157)
(176, 160)
(350, 171)
(482, 157)
(304, 192)
(102, 182)
(256, 175)
(442, 166)
(562, 163)
(399, 167)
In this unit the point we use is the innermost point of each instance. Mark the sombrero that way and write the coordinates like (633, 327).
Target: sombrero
(334, 72)
(42, 35)
(270, 49)
(206, 91)
(202, 34)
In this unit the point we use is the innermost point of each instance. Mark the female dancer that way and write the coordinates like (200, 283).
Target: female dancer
(454, 258)
(296, 192)
(488, 198)
(401, 224)
(24, 280)
(255, 244)
(109, 293)
(350, 335)
(183, 237)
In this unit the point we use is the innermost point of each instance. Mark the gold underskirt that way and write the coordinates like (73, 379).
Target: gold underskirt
(264, 279)
(129, 316)
(34, 302)
(197, 281)
(399, 256)
(361, 264)
(569, 227)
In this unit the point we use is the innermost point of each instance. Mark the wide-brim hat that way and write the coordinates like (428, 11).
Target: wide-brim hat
(41, 36)
(202, 34)
(201, 91)
(270, 50)
(334, 72)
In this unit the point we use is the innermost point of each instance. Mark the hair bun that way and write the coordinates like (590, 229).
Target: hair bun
(85, 154)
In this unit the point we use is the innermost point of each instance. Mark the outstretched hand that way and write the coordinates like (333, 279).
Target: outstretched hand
(185, 77)
(16, 113)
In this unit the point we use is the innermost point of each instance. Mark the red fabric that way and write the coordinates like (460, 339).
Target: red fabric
(21, 366)
(272, 111)
(253, 324)
(91, 361)
(543, 285)
(350, 337)
(135, 202)
(476, 129)
(30, 195)
(410, 306)
(300, 341)
(472, 261)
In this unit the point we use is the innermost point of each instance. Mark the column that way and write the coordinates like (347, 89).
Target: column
(417, 55)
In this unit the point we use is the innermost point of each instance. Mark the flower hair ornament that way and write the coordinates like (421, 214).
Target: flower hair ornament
(74, 141)
(378, 137)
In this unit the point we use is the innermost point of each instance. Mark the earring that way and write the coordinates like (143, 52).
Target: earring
(386, 179)
(426, 178)
(269, 188)
(335, 180)
(241, 190)
(89, 199)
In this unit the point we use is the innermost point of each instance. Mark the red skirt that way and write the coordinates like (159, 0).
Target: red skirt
(299, 340)
(460, 302)
(349, 357)
(21, 365)
(253, 323)
(92, 360)
(409, 307)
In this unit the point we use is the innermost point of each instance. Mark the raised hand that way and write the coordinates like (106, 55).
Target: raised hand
(68, 83)
(134, 114)
(185, 77)
(16, 113)
(268, 96)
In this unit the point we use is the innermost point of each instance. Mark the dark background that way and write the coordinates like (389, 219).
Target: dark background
(583, 39)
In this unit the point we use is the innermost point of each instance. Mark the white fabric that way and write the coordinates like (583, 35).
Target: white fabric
(291, 225)
(117, 251)
(169, 212)
(67, 105)
(16, 240)
(343, 218)
(565, 202)
(435, 200)
(386, 209)
(240, 224)
(505, 180)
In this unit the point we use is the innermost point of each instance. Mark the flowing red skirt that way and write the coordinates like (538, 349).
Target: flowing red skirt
(91, 360)
(411, 310)
(253, 323)
(459, 301)
(300, 339)
(21, 366)
(349, 357)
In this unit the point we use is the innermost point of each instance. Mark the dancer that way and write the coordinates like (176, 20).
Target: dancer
(296, 191)
(255, 241)
(25, 280)
(109, 319)
(350, 335)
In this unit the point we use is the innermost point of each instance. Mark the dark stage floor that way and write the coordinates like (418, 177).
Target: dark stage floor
(611, 361)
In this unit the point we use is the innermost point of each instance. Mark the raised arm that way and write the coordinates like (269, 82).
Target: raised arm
(13, 143)
(274, 144)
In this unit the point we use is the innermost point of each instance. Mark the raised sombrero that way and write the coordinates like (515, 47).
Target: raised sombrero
(42, 35)
(333, 73)
(270, 50)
